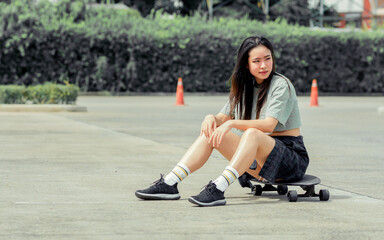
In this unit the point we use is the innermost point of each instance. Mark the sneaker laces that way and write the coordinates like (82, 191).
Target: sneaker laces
(209, 187)
(159, 180)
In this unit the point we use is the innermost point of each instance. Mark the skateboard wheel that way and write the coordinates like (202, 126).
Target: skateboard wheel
(282, 190)
(324, 195)
(257, 190)
(292, 196)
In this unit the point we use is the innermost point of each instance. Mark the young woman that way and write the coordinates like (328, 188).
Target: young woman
(257, 131)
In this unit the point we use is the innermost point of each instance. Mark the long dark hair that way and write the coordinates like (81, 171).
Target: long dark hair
(242, 81)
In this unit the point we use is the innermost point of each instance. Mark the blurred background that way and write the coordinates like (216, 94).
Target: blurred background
(136, 46)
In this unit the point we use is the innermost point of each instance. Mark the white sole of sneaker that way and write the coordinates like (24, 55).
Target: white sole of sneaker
(157, 196)
(211, 204)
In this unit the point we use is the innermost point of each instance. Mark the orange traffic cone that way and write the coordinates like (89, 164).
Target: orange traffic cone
(314, 94)
(180, 92)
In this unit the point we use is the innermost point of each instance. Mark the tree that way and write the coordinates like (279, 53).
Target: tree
(330, 16)
(143, 6)
(182, 7)
(188, 7)
(295, 12)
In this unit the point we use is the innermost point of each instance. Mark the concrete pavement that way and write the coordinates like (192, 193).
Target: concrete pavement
(72, 175)
(41, 108)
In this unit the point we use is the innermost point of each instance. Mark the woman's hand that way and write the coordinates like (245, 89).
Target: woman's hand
(219, 133)
(208, 126)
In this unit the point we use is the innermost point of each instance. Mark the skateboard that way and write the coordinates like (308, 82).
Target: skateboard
(307, 183)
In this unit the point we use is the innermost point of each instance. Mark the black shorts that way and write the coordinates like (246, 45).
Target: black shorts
(287, 161)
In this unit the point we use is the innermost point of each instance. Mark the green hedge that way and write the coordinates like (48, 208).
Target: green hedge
(47, 93)
(116, 50)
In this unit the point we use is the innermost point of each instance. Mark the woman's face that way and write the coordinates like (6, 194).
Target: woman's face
(260, 63)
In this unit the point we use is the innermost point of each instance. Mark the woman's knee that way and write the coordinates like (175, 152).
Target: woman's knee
(205, 140)
(253, 134)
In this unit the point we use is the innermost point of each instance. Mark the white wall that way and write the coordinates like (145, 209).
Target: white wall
(342, 5)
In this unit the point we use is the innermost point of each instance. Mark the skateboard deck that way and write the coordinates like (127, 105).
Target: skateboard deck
(307, 183)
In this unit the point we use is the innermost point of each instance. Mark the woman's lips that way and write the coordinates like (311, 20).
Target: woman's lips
(264, 72)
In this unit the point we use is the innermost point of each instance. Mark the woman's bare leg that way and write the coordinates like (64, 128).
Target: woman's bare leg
(199, 152)
(241, 152)
(254, 144)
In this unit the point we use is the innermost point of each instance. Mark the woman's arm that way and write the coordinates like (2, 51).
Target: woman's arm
(221, 118)
(211, 122)
(266, 125)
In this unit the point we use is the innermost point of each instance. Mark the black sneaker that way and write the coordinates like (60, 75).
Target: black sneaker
(159, 191)
(210, 196)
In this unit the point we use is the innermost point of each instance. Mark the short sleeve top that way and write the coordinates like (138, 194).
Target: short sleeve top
(281, 104)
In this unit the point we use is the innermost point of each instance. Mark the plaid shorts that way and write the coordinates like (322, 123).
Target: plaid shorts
(288, 160)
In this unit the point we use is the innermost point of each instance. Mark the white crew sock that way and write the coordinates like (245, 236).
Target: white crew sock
(179, 173)
(229, 176)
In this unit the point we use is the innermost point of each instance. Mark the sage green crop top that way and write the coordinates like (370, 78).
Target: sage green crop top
(281, 104)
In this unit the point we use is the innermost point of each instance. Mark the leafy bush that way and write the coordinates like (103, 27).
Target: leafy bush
(102, 49)
(13, 94)
(47, 93)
